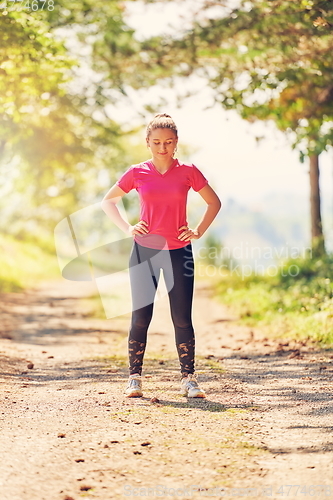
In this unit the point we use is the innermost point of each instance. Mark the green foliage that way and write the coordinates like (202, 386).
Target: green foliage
(60, 150)
(22, 264)
(269, 60)
(297, 301)
(115, 50)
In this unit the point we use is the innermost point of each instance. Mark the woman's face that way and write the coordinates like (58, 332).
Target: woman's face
(162, 143)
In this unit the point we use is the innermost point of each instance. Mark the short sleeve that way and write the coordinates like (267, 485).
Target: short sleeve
(126, 181)
(198, 179)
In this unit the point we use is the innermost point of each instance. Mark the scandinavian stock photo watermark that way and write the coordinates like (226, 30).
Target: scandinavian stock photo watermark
(90, 247)
(244, 260)
(278, 491)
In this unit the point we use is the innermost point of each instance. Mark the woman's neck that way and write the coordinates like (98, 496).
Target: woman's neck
(162, 166)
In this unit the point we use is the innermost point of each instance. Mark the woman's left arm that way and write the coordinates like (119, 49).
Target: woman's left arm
(213, 206)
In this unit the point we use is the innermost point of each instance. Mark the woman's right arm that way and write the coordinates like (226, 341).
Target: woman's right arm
(108, 205)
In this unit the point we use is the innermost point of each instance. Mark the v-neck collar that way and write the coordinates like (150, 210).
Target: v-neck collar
(154, 169)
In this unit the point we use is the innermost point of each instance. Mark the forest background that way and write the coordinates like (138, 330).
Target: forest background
(80, 81)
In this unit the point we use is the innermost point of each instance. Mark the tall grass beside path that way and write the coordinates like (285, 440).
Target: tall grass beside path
(297, 305)
(24, 263)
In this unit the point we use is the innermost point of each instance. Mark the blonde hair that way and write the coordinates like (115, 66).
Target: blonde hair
(161, 120)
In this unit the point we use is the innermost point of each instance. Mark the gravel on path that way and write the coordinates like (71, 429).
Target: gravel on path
(67, 431)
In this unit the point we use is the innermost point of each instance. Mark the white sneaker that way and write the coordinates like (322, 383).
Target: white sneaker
(134, 387)
(189, 387)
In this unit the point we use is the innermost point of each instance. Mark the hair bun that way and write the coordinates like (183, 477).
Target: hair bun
(160, 115)
(162, 120)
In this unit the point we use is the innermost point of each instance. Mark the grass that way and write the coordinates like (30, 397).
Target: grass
(24, 263)
(114, 361)
(209, 365)
(297, 302)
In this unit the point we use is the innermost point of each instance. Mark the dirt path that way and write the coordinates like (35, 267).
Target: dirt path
(67, 432)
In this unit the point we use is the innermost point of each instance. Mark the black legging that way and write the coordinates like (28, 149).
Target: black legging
(178, 271)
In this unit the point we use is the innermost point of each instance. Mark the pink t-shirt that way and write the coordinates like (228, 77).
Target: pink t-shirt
(163, 200)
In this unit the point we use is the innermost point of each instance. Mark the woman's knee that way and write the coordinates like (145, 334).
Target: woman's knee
(141, 318)
(182, 322)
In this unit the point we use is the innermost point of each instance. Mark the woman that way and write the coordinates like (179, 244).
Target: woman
(162, 240)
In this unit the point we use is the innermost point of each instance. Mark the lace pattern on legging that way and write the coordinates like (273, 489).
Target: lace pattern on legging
(136, 352)
(186, 356)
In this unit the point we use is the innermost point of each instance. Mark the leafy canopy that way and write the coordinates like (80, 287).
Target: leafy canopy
(268, 59)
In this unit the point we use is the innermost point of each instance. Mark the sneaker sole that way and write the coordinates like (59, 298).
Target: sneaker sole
(199, 395)
(135, 394)
(196, 393)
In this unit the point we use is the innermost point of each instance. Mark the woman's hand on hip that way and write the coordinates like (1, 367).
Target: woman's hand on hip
(188, 234)
(140, 228)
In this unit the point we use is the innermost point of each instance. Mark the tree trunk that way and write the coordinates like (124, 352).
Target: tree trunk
(317, 237)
